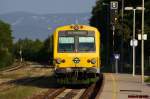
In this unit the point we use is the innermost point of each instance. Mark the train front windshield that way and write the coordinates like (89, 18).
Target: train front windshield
(86, 44)
(66, 44)
(76, 41)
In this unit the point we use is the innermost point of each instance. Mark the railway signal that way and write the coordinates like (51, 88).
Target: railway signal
(113, 11)
(113, 18)
(20, 52)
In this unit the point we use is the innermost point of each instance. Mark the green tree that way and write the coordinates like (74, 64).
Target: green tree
(30, 49)
(6, 44)
(5, 36)
(46, 53)
(101, 18)
(35, 50)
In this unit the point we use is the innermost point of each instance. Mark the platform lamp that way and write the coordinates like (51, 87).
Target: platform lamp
(133, 42)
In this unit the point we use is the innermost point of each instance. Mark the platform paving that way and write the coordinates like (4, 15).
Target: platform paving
(124, 86)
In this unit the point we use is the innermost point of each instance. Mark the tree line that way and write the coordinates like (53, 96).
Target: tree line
(6, 45)
(34, 50)
(30, 50)
(123, 30)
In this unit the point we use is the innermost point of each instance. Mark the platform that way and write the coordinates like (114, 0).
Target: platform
(124, 86)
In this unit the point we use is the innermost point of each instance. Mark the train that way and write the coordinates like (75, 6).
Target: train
(76, 53)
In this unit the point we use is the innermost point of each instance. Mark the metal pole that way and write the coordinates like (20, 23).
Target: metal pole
(107, 36)
(116, 65)
(122, 12)
(133, 42)
(142, 43)
(113, 36)
(122, 36)
(113, 28)
(20, 52)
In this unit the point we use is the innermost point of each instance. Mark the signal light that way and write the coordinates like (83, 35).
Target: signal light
(76, 27)
(81, 26)
(71, 27)
(88, 60)
(63, 61)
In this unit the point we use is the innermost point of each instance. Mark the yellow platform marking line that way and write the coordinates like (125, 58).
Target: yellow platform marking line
(114, 88)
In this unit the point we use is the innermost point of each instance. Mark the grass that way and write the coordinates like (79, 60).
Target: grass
(12, 76)
(23, 91)
(20, 92)
(15, 75)
(147, 79)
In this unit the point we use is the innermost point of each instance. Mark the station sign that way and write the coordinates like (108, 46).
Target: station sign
(144, 37)
(114, 5)
(133, 42)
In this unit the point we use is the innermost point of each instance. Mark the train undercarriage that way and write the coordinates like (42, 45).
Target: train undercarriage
(76, 75)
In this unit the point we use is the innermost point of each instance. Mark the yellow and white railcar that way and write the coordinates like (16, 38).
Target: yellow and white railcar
(76, 48)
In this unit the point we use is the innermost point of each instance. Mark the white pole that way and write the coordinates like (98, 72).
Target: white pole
(113, 36)
(133, 42)
(20, 52)
(113, 28)
(122, 36)
(142, 43)
(116, 65)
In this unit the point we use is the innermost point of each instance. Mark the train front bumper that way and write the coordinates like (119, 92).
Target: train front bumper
(70, 70)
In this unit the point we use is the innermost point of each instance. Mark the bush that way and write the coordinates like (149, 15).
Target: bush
(6, 44)
(6, 58)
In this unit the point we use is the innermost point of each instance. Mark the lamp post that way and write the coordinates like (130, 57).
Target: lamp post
(117, 57)
(133, 41)
(142, 43)
(122, 35)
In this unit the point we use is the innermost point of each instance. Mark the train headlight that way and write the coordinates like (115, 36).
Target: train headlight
(93, 61)
(58, 60)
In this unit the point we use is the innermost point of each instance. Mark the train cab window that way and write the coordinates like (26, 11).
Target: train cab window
(86, 44)
(66, 44)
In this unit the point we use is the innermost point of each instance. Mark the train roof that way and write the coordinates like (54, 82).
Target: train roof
(71, 27)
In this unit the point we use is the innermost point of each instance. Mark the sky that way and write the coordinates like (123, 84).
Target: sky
(47, 6)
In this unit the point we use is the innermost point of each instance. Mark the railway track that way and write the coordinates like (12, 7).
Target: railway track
(15, 67)
(91, 92)
(21, 81)
(19, 65)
